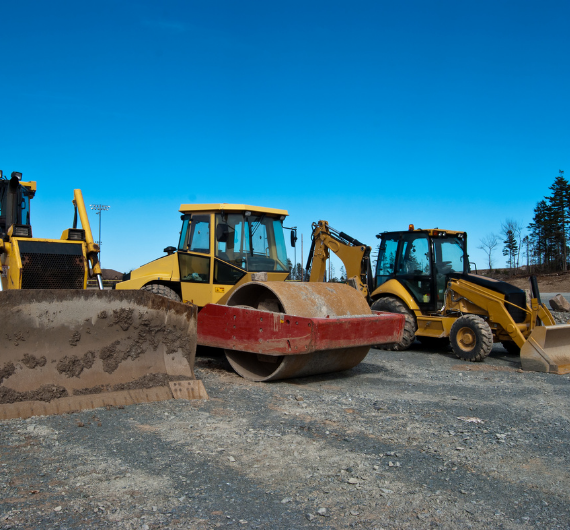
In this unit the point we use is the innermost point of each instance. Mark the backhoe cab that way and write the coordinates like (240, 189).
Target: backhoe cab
(420, 262)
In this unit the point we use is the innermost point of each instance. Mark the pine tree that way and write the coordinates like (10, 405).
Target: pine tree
(560, 220)
(540, 235)
(511, 248)
(550, 227)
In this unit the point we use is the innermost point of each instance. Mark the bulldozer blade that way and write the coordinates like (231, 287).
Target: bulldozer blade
(70, 350)
(547, 349)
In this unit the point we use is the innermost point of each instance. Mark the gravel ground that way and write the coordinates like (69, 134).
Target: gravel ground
(414, 439)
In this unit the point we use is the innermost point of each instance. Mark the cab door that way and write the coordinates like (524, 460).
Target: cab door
(195, 263)
(413, 268)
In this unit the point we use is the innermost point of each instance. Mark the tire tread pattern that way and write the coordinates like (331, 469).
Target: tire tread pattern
(484, 338)
(162, 290)
(393, 305)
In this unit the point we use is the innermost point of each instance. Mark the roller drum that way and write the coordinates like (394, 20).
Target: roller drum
(303, 300)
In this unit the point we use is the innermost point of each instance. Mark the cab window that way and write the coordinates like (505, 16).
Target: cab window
(414, 257)
(200, 234)
(386, 260)
(414, 268)
(449, 255)
(195, 269)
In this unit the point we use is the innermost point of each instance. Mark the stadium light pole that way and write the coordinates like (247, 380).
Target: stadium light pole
(99, 208)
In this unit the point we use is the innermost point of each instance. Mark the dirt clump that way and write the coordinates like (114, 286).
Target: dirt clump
(44, 393)
(123, 318)
(73, 366)
(31, 361)
(75, 338)
(6, 371)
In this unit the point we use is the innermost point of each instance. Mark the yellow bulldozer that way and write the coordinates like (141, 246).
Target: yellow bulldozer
(66, 348)
(231, 262)
(425, 276)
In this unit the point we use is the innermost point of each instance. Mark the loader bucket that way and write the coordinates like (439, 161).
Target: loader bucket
(280, 330)
(69, 350)
(547, 349)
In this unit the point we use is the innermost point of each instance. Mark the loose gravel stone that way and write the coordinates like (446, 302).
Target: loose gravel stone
(254, 457)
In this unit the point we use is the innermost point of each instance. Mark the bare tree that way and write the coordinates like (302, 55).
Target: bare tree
(488, 245)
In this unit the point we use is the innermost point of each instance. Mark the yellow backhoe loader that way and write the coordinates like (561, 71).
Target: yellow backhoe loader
(65, 348)
(425, 276)
(231, 262)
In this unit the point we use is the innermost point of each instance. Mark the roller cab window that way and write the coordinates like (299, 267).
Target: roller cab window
(194, 268)
(195, 234)
(253, 243)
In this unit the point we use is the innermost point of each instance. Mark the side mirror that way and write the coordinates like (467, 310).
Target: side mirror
(222, 232)
(293, 237)
(170, 250)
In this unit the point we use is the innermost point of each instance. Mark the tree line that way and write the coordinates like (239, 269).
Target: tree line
(543, 245)
(297, 272)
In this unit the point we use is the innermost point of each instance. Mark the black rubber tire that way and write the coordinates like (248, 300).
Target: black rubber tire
(394, 305)
(511, 347)
(162, 290)
(471, 338)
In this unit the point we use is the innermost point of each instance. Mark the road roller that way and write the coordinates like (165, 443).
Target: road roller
(231, 262)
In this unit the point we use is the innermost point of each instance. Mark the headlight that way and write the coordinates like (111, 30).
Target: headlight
(75, 234)
(22, 231)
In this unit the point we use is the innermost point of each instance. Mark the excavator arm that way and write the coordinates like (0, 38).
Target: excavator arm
(354, 255)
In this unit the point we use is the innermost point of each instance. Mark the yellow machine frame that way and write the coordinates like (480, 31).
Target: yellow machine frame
(11, 256)
(462, 297)
(166, 270)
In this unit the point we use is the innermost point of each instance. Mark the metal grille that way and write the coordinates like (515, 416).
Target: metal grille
(52, 271)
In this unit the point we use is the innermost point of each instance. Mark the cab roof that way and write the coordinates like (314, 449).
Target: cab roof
(225, 207)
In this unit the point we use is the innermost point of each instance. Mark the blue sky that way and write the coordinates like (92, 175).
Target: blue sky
(371, 115)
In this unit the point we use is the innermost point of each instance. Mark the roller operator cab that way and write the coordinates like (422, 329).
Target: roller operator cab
(221, 246)
(420, 261)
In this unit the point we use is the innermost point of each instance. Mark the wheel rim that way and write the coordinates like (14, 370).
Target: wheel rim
(466, 339)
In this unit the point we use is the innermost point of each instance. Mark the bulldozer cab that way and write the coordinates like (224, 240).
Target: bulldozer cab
(421, 260)
(15, 202)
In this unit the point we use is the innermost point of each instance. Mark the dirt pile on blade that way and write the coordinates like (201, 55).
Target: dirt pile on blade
(60, 346)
